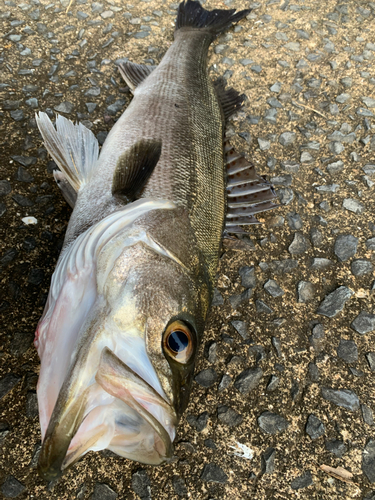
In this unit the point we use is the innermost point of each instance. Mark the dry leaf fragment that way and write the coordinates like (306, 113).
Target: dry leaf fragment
(338, 473)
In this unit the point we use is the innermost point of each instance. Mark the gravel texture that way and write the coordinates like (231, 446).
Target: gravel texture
(287, 365)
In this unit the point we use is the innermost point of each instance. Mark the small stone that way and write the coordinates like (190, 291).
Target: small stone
(370, 356)
(320, 263)
(317, 339)
(364, 323)
(284, 266)
(370, 243)
(299, 245)
(199, 423)
(268, 461)
(241, 328)
(225, 382)
(334, 302)
(5, 188)
(7, 383)
(238, 299)
(305, 291)
(179, 486)
(348, 351)
(302, 481)
(306, 157)
(12, 488)
(273, 383)
(361, 267)
(217, 299)
(65, 107)
(313, 372)
(336, 447)
(264, 144)
(273, 288)
(344, 397)
(335, 167)
(287, 138)
(206, 378)
(336, 147)
(316, 237)
(368, 460)
(294, 221)
(23, 175)
(141, 484)
(262, 307)
(271, 423)
(36, 277)
(248, 278)
(285, 195)
(314, 427)
(228, 416)
(345, 246)
(367, 415)
(248, 380)
(353, 206)
(103, 492)
(212, 473)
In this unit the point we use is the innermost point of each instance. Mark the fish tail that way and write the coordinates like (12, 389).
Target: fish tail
(192, 15)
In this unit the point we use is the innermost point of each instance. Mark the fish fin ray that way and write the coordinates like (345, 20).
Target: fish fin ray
(73, 147)
(134, 168)
(67, 190)
(134, 74)
(192, 15)
(230, 100)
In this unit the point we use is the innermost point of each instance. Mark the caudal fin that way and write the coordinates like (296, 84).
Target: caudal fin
(192, 15)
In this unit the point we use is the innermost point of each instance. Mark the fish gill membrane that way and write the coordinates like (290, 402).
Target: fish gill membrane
(133, 285)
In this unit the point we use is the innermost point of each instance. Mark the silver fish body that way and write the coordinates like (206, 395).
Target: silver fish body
(133, 285)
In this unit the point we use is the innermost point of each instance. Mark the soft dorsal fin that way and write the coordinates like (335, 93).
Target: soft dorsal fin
(74, 148)
(230, 100)
(134, 74)
(134, 168)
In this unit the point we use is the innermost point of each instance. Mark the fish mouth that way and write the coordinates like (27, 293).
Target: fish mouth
(119, 411)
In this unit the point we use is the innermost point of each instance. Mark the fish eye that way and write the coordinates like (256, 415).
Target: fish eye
(178, 341)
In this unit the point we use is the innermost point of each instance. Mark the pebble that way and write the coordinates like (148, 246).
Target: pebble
(302, 481)
(141, 484)
(335, 167)
(206, 378)
(299, 244)
(294, 221)
(361, 267)
(348, 351)
(368, 460)
(353, 206)
(273, 288)
(273, 383)
(65, 107)
(314, 427)
(224, 382)
(268, 461)
(5, 188)
(370, 356)
(334, 302)
(262, 307)
(248, 380)
(317, 338)
(367, 415)
(345, 247)
(248, 278)
(199, 423)
(271, 423)
(228, 416)
(320, 263)
(287, 138)
(7, 383)
(238, 299)
(316, 237)
(12, 488)
(313, 371)
(241, 328)
(370, 244)
(364, 323)
(306, 291)
(179, 486)
(212, 473)
(344, 397)
(285, 195)
(103, 492)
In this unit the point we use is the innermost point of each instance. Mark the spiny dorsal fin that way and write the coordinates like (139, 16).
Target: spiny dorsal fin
(230, 100)
(74, 148)
(134, 168)
(134, 74)
(248, 193)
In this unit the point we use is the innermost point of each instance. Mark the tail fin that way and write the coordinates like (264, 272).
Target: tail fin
(192, 15)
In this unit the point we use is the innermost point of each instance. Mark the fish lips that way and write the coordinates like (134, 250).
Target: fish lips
(120, 381)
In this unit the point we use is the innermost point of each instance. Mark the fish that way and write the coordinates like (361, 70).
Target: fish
(133, 285)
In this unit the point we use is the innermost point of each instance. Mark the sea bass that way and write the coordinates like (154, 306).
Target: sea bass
(133, 285)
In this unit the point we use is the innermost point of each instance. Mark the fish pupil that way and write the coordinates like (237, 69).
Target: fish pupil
(178, 341)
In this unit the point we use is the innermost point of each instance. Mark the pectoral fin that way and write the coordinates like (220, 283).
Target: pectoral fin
(134, 168)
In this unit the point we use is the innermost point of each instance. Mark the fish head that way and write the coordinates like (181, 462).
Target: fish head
(124, 380)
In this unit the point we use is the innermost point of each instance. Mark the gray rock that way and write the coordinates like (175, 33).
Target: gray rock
(290, 166)
(345, 246)
(320, 263)
(268, 461)
(5, 187)
(65, 107)
(317, 339)
(353, 206)
(314, 427)
(336, 447)
(302, 481)
(306, 291)
(348, 351)
(212, 473)
(179, 486)
(248, 380)
(344, 397)
(273, 288)
(370, 356)
(364, 323)
(299, 244)
(313, 371)
(23, 175)
(238, 299)
(141, 484)
(271, 423)
(370, 243)
(284, 266)
(277, 345)
(368, 460)
(217, 299)
(228, 416)
(294, 221)
(316, 237)
(264, 144)
(273, 383)
(334, 302)
(367, 415)
(285, 195)
(206, 378)
(103, 492)
(336, 147)
(199, 423)
(335, 167)
(361, 267)
(248, 278)
(276, 87)
(287, 138)
(224, 382)
(241, 328)
(7, 383)
(262, 307)
(306, 157)
(12, 488)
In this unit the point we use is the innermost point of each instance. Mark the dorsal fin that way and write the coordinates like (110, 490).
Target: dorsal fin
(74, 148)
(248, 193)
(230, 100)
(134, 74)
(134, 168)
